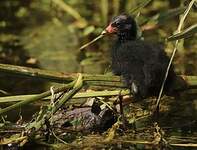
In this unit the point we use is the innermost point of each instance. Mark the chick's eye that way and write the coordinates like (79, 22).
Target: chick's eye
(115, 24)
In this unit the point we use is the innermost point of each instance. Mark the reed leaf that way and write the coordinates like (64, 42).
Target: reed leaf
(184, 34)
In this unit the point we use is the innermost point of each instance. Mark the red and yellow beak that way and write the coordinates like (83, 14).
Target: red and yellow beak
(110, 30)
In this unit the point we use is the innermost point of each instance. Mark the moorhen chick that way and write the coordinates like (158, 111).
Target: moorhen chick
(141, 64)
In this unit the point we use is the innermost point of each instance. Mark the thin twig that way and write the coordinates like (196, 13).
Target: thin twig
(59, 139)
(89, 43)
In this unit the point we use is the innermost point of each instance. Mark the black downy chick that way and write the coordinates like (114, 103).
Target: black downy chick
(141, 64)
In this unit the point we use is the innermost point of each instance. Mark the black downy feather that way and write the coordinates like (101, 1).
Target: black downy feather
(141, 64)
